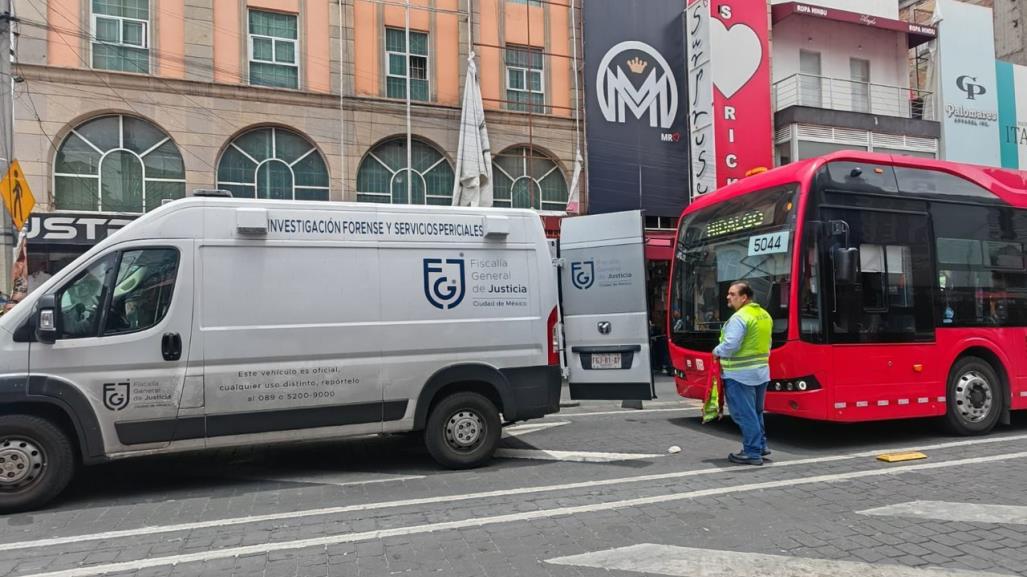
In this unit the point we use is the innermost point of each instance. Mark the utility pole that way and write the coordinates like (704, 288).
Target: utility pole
(7, 232)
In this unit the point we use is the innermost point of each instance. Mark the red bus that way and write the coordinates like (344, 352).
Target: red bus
(897, 285)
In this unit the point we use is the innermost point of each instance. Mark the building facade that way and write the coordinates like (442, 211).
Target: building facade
(122, 104)
(841, 80)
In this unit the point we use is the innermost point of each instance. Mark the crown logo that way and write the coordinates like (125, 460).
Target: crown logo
(637, 65)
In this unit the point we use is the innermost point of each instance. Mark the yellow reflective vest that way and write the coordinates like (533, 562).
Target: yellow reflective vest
(755, 350)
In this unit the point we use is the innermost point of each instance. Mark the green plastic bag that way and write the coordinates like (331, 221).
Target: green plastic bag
(713, 404)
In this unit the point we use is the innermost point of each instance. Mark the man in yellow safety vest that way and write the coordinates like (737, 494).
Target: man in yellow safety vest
(744, 354)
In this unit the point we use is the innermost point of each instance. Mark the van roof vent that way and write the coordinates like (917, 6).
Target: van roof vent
(214, 192)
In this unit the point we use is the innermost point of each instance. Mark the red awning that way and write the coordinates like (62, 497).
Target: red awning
(659, 246)
(916, 33)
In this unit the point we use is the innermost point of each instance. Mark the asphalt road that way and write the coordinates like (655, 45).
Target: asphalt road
(589, 491)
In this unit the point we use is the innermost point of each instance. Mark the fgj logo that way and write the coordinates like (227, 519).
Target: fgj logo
(657, 95)
(444, 282)
(583, 274)
(968, 84)
(115, 396)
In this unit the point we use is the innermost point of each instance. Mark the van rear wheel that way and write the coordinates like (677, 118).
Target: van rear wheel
(462, 431)
(36, 462)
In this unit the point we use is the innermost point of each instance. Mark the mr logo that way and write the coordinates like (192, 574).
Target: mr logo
(444, 282)
(971, 88)
(583, 274)
(656, 96)
(115, 396)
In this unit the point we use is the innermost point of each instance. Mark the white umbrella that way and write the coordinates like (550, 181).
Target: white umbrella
(473, 186)
(574, 200)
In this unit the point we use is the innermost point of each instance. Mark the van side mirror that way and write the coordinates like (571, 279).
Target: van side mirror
(846, 265)
(46, 319)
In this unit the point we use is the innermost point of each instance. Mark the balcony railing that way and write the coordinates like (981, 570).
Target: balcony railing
(853, 96)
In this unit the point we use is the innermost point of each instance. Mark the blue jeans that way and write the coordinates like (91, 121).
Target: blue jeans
(745, 403)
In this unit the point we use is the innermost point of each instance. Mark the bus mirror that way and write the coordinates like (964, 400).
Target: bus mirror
(846, 261)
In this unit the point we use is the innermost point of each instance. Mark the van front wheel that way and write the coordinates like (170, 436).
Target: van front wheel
(36, 462)
(462, 431)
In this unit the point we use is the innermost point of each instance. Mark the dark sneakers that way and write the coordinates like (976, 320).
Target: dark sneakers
(743, 459)
(766, 452)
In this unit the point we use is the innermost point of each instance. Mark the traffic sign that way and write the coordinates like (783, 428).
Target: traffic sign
(17, 196)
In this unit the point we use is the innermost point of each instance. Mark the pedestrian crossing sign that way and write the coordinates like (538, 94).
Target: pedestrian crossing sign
(17, 196)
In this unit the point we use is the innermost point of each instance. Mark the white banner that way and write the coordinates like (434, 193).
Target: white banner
(702, 149)
(967, 83)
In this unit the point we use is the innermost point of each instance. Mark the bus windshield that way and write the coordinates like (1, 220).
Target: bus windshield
(747, 238)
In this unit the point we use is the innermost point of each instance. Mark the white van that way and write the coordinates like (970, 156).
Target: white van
(213, 322)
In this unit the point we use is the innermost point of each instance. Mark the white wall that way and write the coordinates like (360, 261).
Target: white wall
(837, 42)
(882, 8)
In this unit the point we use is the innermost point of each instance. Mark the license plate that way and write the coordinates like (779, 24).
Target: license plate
(606, 361)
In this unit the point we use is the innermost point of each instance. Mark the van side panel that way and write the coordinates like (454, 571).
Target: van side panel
(291, 339)
(464, 304)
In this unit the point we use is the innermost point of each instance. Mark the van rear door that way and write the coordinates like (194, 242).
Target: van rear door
(605, 313)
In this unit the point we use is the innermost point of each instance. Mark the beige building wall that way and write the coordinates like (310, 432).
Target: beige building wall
(198, 92)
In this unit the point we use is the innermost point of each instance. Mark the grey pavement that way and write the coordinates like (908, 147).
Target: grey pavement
(379, 506)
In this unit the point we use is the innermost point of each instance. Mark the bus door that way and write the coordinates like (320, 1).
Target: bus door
(880, 319)
(605, 309)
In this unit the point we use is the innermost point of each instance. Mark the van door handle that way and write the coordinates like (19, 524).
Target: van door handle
(171, 346)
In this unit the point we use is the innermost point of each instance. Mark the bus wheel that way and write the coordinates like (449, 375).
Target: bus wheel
(36, 462)
(462, 431)
(974, 397)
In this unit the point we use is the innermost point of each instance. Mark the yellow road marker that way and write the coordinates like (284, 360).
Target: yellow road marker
(899, 457)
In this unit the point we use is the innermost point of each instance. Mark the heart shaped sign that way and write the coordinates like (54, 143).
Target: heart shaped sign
(743, 44)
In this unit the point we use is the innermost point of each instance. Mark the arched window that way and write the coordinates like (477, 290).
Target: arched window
(273, 163)
(383, 174)
(119, 164)
(526, 178)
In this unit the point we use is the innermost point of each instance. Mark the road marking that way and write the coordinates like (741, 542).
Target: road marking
(226, 522)
(264, 548)
(965, 512)
(336, 478)
(573, 456)
(622, 412)
(688, 562)
(518, 430)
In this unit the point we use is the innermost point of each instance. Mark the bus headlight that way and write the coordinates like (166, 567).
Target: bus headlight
(797, 384)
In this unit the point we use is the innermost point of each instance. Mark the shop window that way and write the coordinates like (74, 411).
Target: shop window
(526, 178)
(273, 163)
(383, 176)
(121, 35)
(812, 148)
(397, 58)
(273, 49)
(117, 164)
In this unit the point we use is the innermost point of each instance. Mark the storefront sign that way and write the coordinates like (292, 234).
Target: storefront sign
(919, 33)
(79, 228)
(967, 84)
(1012, 113)
(729, 66)
(702, 141)
(634, 83)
